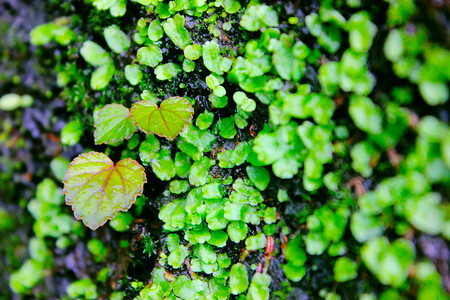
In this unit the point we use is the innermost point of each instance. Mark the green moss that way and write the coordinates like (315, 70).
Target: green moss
(318, 156)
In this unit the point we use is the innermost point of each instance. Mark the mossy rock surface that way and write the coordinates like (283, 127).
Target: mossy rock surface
(313, 159)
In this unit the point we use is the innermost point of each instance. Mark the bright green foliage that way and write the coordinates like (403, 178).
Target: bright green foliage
(202, 140)
(59, 166)
(71, 133)
(256, 242)
(174, 28)
(155, 30)
(195, 5)
(41, 34)
(235, 157)
(163, 165)
(282, 148)
(223, 260)
(188, 65)
(150, 56)
(237, 231)
(113, 124)
(326, 226)
(296, 258)
(184, 288)
(179, 186)
(354, 74)
(218, 102)
(102, 76)
(301, 105)
(270, 215)
(238, 279)
(328, 35)
(193, 52)
(204, 120)
(219, 239)
(116, 39)
(206, 253)
(259, 16)
(83, 288)
(94, 54)
(46, 209)
(259, 176)
(230, 6)
(182, 164)
(366, 115)
(58, 31)
(133, 74)
(364, 226)
(389, 262)
(434, 93)
(420, 210)
(98, 57)
(167, 120)
(29, 274)
(214, 82)
(361, 32)
(39, 251)
(122, 221)
(362, 154)
(405, 51)
(400, 11)
(289, 61)
(172, 242)
(226, 128)
(199, 236)
(212, 191)
(429, 282)
(148, 149)
(48, 191)
(329, 78)
(279, 140)
(97, 249)
(97, 189)
(259, 287)
(345, 269)
(167, 71)
(213, 60)
(143, 2)
(198, 174)
(177, 256)
(116, 8)
(244, 103)
(9, 102)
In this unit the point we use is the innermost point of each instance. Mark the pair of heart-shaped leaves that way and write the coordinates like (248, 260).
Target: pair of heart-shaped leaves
(115, 122)
(96, 188)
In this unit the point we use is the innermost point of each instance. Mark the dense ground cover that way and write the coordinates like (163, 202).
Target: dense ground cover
(241, 149)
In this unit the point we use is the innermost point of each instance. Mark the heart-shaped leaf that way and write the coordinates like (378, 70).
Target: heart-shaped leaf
(113, 124)
(97, 189)
(168, 120)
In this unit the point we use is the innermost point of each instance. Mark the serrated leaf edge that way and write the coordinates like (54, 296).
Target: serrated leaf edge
(159, 107)
(139, 193)
(117, 139)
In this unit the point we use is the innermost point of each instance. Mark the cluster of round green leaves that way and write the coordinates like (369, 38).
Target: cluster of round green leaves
(302, 140)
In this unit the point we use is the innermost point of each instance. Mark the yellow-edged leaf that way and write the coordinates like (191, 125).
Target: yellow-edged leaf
(168, 120)
(97, 189)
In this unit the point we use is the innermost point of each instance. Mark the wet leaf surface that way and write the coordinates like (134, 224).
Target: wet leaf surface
(113, 124)
(168, 120)
(97, 189)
